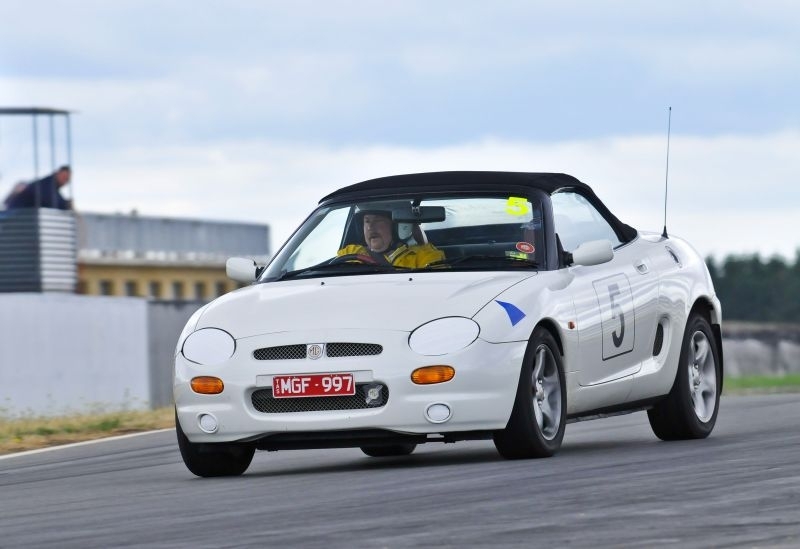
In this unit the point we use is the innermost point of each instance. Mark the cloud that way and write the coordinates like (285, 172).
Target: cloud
(731, 194)
(407, 73)
(253, 111)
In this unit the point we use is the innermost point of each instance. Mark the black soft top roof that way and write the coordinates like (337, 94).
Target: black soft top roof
(547, 182)
(477, 181)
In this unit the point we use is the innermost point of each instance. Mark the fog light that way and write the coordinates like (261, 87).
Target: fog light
(207, 385)
(438, 413)
(432, 374)
(208, 423)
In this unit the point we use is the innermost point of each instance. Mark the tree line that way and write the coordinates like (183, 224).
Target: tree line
(757, 290)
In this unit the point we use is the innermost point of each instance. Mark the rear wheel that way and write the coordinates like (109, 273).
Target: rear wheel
(690, 409)
(538, 419)
(389, 451)
(213, 459)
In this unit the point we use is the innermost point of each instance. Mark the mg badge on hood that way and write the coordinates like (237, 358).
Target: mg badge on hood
(314, 351)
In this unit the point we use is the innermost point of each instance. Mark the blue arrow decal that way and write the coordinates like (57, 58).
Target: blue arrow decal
(514, 314)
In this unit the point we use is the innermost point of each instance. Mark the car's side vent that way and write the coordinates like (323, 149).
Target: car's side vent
(674, 256)
(659, 342)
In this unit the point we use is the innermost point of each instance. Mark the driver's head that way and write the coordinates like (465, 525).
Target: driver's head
(378, 231)
(63, 175)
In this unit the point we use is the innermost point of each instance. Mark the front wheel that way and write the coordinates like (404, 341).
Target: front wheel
(690, 409)
(538, 419)
(213, 459)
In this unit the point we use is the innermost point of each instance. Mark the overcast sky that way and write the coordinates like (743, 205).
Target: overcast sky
(252, 111)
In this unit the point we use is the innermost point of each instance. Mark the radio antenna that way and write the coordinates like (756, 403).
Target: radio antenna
(666, 178)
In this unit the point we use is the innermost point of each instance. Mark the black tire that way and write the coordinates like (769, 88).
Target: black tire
(213, 460)
(389, 451)
(685, 412)
(533, 433)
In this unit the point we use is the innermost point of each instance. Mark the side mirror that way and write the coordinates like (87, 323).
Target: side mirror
(241, 269)
(593, 252)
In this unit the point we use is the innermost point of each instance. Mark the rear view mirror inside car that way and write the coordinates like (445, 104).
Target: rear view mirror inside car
(419, 214)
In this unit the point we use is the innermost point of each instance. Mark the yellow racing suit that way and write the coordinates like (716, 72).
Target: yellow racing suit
(414, 257)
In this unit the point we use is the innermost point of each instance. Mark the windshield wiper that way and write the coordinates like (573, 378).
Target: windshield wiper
(478, 261)
(344, 266)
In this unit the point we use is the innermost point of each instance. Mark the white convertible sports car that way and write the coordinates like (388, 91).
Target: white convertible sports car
(445, 307)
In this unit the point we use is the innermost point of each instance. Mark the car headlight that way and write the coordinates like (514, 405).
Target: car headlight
(209, 346)
(191, 324)
(443, 336)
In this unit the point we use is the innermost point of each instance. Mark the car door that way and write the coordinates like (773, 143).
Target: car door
(615, 302)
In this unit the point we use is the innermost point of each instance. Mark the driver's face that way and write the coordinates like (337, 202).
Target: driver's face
(377, 232)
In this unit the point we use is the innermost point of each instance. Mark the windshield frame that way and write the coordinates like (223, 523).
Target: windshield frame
(536, 197)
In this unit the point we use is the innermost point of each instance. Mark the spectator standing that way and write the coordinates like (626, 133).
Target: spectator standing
(15, 190)
(48, 191)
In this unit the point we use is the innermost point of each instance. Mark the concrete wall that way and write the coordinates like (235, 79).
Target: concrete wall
(761, 349)
(62, 353)
(165, 320)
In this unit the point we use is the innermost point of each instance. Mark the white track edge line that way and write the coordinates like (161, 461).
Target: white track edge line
(84, 443)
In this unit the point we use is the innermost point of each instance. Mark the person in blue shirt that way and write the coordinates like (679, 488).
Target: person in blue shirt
(48, 191)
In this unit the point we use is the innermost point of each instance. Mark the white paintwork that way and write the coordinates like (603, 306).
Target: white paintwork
(241, 269)
(355, 302)
(443, 336)
(613, 308)
(593, 252)
(209, 346)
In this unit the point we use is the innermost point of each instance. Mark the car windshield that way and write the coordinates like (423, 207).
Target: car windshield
(437, 234)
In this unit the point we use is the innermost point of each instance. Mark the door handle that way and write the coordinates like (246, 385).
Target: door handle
(642, 268)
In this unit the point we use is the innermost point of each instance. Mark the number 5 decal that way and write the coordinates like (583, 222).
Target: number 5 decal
(615, 301)
(616, 311)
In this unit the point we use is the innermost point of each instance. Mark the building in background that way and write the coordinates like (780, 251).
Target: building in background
(162, 258)
(46, 250)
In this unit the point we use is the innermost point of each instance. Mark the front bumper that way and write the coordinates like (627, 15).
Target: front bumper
(480, 396)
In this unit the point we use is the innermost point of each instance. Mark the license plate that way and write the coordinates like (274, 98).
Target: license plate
(313, 385)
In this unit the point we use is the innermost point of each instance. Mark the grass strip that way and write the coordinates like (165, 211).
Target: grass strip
(787, 383)
(30, 433)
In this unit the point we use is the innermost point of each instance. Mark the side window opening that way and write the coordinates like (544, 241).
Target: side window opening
(577, 221)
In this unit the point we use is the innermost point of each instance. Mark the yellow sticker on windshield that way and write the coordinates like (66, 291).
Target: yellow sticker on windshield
(517, 205)
(517, 255)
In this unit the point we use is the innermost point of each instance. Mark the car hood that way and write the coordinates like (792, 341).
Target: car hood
(387, 301)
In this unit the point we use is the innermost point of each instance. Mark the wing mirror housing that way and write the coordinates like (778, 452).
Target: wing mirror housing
(591, 253)
(241, 269)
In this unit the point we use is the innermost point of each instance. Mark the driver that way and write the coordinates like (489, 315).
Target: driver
(384, 247)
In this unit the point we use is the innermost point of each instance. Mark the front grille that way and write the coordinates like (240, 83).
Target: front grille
(352, 349)
(284, 352)
(296, 352)
(263, 401)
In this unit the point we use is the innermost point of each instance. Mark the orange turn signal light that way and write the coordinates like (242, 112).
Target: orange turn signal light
(428, 375)
(207, 385)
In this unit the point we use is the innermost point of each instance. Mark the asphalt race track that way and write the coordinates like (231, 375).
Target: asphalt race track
(613, 484)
